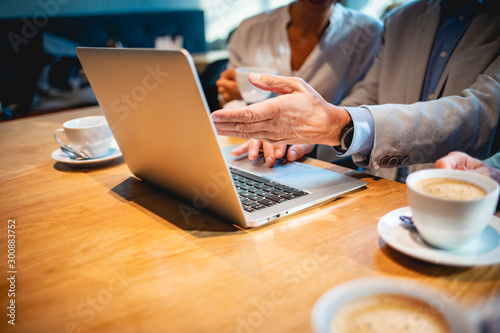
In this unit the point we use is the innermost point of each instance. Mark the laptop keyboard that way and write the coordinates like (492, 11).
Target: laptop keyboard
(257, 192)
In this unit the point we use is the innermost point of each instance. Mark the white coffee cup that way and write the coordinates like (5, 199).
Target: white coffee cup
(249, 92)
(451, 223)
(422, 302)
(88, 135)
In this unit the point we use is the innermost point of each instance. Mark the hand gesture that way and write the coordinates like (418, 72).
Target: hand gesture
(299, 115)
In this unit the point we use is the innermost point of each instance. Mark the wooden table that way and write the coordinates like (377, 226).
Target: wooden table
(98, 251)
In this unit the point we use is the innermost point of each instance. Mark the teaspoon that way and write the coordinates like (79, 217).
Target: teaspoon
(407, 220)
(73, 154)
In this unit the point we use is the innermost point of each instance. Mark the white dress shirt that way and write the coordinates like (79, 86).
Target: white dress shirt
(340, 59)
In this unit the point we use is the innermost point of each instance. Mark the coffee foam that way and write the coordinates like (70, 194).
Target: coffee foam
(449, 188)
(388, 313)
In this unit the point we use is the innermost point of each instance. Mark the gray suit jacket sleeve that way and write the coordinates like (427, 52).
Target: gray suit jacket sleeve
(464, 112)
(426, 131)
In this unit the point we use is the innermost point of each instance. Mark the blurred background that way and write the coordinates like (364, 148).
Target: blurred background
(39, 71)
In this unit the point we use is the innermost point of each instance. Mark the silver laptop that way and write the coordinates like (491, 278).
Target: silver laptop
(157, 112)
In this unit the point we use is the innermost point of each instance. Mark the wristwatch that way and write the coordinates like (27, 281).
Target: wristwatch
(346, 137)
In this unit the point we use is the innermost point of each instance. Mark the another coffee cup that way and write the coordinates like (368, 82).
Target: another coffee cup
(450, 208)
(249, 92)
(87, 135)
(379, 304)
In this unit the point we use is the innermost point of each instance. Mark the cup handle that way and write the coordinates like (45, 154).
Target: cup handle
(59, 140)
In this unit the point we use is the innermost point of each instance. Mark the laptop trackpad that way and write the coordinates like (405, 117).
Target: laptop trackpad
(295, 174)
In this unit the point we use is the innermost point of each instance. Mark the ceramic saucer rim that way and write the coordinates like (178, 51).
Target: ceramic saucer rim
(426, 252)
(60, 156)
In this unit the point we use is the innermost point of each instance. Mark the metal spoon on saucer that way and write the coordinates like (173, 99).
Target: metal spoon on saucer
(407, 220)
(74, 155)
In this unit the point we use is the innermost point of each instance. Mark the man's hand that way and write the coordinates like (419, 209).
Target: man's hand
(271, 152)
(227, 86)
(461, 161)
(298, 116)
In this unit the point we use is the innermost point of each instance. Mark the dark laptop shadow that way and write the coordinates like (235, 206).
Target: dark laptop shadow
(173, 209)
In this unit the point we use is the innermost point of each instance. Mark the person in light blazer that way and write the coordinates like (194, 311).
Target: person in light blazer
(433, 88)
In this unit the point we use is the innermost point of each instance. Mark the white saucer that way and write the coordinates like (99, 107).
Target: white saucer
(114, 152)
(484, 250)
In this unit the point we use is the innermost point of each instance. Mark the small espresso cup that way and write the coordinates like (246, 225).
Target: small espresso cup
(88, 135)
(249, 92)
(450, 208)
